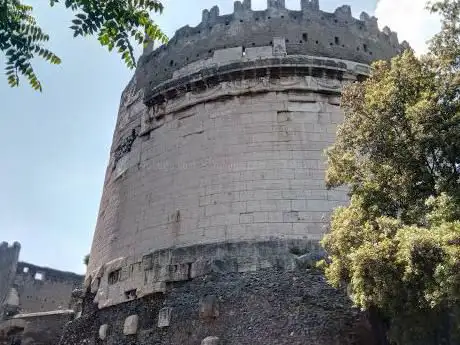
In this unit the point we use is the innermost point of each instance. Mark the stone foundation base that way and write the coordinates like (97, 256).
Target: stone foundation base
(269, 306)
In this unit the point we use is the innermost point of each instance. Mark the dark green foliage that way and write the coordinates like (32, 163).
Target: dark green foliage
(397, 245)
(86, 259)
(114, 22)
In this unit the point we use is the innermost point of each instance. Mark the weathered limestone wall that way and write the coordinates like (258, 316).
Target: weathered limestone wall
(133, 277)
(43, 289)
(34, 301)
(214, 197)
(249, 167)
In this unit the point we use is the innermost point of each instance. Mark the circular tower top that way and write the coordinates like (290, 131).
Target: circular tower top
(309, 31)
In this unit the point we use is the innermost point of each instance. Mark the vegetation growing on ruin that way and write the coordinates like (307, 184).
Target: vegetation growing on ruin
(116, 23)
(396, 247)
(86, 260)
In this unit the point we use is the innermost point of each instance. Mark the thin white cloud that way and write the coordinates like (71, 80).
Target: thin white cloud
(410, 20)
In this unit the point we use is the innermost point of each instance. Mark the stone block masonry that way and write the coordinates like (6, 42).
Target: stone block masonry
(229, 148)
(207, 168)
(309, 31)
(214, 198)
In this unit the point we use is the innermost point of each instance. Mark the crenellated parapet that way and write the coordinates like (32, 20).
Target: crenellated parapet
(310, 32)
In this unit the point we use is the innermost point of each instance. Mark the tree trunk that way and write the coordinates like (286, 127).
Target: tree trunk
(379, 327)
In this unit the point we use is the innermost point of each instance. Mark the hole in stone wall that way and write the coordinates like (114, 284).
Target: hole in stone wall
(253, 44)
(227, 23)
(336, 40)
(331, 44)
(305, 36)
(131, 294)
(357, 48)
(25, 270)
(270, 43)
(269, 18)
(39, 276)
(241, 20)
(282, 17)
(287, 41)
(300, 41)
(335, 20)
(114, 276)
(171, 63)
(365, 47)
(199, 31)
(257, 19)
(317, 42)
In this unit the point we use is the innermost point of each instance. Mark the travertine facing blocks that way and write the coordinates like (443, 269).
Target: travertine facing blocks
(164, 317)
(236, 169)
(210, 341)
(131, 324)
(103, 331)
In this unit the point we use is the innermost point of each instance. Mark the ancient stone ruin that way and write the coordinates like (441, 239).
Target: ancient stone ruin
(214, 198)
(35, 302)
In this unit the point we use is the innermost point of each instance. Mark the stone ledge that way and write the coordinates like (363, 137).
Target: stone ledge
(45, 313)
(131, 278)
(210, 73)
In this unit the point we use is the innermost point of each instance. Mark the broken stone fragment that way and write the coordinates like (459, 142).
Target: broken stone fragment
(103, 332)
(131, 323)
(164, 317)
(211, 341)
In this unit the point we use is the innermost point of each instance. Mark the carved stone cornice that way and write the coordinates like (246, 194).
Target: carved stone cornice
(254, 70)
(182, 98)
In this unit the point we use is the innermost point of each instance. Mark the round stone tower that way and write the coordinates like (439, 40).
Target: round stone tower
(217, 162)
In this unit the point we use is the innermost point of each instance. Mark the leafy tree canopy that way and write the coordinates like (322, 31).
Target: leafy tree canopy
(114, 22)
(396, 246)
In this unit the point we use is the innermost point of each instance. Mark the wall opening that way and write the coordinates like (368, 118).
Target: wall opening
(39, 276)
(336, 40)
(114, 276)
(131, 294)
(25, 270)
(305, 36)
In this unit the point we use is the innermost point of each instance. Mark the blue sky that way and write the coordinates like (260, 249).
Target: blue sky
(55, 145)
